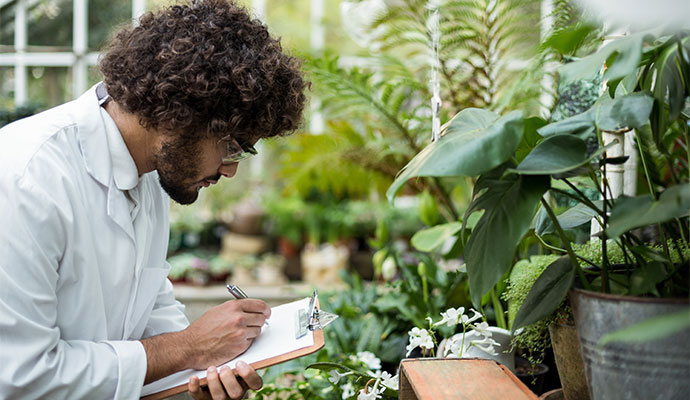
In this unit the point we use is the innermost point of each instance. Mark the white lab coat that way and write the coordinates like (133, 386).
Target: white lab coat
(80, 283)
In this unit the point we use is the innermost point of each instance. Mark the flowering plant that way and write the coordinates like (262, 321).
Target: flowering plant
(454, 346)
(370, 384)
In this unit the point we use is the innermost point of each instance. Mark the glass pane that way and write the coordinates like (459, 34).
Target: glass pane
(104, 17)
(50, 24)
(7, 25)
(6, 88)
(49, 86)
(94, 76)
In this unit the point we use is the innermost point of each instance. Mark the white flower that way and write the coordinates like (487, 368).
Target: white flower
(483, 329)
(335, 376)
(419, 338)
(453, 347)
(370, 393)
(486, 345)
(389, 381)
(348, 390)
(369, 359)
(468, 320)
(451, 316)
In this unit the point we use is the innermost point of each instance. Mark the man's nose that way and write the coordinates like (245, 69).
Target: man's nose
(228, 170)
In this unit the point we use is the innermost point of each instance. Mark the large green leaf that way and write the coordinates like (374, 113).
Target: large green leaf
(473, 142)
(431, 238)
(530, 137)
(571, 218)
(569, 39)
(645, 278)
(556, 155)
(547, 294)
(651, 328)
(630, 111)
(509, 203)
(329, 366)
(668, 81)
(622, 57)
(580, 125)
(633, 212)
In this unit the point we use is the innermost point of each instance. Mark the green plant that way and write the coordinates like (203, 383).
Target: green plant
(378, 113)
(533, 339)
(11, 115)
(516, 159)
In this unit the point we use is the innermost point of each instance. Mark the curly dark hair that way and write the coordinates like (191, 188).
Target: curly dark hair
(205, 69)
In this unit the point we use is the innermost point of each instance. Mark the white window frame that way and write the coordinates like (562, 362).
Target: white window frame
(79, 59)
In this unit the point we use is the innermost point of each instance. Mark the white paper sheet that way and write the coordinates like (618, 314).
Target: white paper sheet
(278, 337)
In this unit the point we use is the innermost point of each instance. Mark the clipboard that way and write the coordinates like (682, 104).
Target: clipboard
(302, 317)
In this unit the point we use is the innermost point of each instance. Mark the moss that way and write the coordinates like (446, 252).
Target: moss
(592, 251)
(521, 280)
(534, 339)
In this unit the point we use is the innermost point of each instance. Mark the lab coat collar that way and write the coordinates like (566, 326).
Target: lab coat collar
(124, 169)
(91, 133)
(97, 158)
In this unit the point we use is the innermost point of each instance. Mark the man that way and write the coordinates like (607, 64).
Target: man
(86, 310)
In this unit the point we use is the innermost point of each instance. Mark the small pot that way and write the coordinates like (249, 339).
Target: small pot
(531, 376)
(571, 369)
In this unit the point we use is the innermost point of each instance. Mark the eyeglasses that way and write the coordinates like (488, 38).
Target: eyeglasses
(233, 151)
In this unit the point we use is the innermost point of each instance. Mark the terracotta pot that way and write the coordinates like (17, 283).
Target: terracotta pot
(653, 369)
(571, 369)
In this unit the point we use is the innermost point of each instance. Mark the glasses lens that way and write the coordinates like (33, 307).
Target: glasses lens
(236, 152)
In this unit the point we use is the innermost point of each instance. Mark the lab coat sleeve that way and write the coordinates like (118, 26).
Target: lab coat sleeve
(36, 362)
(168, 313)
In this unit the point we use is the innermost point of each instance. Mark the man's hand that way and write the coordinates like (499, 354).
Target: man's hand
(221, 334)
(225, 385)
(226, 331)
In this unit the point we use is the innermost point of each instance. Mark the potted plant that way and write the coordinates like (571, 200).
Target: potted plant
(516, 160)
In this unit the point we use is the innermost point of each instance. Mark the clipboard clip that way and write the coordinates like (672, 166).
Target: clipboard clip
(312, 319)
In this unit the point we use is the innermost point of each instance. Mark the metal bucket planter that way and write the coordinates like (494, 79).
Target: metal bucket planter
(656, 369)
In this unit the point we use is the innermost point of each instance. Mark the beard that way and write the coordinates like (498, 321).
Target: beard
(176, 164)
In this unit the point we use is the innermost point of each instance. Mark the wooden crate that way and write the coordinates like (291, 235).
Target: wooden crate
(459, 379)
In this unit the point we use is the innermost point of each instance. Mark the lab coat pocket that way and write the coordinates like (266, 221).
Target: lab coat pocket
(151, 281)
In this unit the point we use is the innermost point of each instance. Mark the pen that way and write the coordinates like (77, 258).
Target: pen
(236, 291)
(238, 294)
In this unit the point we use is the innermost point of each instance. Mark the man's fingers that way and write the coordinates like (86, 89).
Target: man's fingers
(195, 389)
(232, 387)
(252, 332)
(214, 384)
(255, 319)
(254, 306)
(249, 375)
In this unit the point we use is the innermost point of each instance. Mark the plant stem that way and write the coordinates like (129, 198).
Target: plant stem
(604, 251)
(498, 310)
(445, 197)
(644, 166)
(566, 243)
(581, 198)
(554, 248)
(550, 247)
